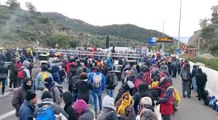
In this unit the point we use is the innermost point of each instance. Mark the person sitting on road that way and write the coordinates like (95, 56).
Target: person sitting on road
(20, 94)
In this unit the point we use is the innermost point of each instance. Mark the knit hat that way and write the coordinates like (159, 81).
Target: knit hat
(26, 63)
(108, 102)
(48, 80)
(80, 105)
(45, 95)
(30, 95)
(130, 84)
(146, 101)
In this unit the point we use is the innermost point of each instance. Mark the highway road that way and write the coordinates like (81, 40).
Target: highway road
(189, 108)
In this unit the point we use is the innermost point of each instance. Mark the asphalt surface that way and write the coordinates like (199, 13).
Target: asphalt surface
(189, 108)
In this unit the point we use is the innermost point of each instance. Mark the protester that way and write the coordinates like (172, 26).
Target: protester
(20, 94)
(53, 89)
(201, 80)
(109, 111)
(23, 72)
(47, 102)
(13, 74)
(3, 75)
(27, 109)
(83, 111)
(68, 101)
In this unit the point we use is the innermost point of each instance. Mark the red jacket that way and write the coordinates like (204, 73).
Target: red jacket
(166, 100)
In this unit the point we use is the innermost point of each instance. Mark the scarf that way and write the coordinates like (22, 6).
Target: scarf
(124, 104)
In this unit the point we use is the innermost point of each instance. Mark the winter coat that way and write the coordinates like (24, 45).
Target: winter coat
(137, 97)
(166, 100)
(56, 108)
(35, 71)
(82, 87)
(13, 72)
(107, 114)
(73, 80)
(55, 93)
(68, 99)
(18, 99)
(201, 79)
(55, 73)
(129, 112)
(3, 71)
(39, 85)
(26, 111)
(103, 82)
(122, 90)
(87, 115)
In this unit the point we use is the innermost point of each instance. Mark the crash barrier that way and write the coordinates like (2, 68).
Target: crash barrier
(212, 80)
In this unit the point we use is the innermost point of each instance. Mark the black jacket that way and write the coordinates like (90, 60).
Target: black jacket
(68, 99)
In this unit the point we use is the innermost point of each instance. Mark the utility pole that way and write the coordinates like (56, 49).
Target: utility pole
(180, 15)
(163, 35)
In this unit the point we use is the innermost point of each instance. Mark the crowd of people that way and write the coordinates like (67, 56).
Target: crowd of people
(39, 90)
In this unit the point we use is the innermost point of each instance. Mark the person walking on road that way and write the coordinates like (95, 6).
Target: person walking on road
(186, 81)
(166, 99)
(3, 75)
(27, 109)
(201, 80)
(98, 82)
(13, 74)
(20, 94)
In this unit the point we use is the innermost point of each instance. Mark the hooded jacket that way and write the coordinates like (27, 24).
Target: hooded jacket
(68, 99)
(19, 97)
(55, 73)
(73, 80)
(201, 78)
(83, 112)
(103, 82)
(166, 98)
(126, 87)
(143, 92)
(27, 110)
(54, 91)
(48, 102)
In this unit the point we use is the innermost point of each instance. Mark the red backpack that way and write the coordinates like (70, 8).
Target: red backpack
(137, 82)
(147, 78)
(21, 74)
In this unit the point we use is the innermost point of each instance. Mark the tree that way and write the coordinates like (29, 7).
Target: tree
(30, 7)
(204, 23)
(13, 4)
(60, 38)
(107, 42)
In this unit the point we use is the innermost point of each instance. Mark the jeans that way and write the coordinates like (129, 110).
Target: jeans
(90, 97)
(110, 92)
(166, 117)
(2, 81)
(99, 96)
(194, 84)
(186, 86)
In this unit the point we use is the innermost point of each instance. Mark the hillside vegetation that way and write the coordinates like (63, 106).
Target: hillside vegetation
(20, 28)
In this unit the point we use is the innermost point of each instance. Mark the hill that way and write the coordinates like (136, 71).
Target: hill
(20, 28)
(207, 37)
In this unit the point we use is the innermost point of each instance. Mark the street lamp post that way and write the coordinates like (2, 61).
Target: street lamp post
(180, 15)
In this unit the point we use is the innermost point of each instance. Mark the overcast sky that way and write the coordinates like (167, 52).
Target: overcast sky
(149, 14)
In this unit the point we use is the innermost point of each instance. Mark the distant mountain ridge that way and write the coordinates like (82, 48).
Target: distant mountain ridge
(20, 25)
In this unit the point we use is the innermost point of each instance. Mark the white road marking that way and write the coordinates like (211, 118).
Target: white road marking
(7, 114)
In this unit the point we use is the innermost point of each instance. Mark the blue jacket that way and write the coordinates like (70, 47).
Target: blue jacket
(55, 73)
(109, 63)
(26, 111)
(103, 82)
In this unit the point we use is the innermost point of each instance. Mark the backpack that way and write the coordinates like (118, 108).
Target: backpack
(97, 80)
(44, 75)
(21, 74)
(185, 75)
(45, 113)
(137, 82)
(176, 96)
(113, 79)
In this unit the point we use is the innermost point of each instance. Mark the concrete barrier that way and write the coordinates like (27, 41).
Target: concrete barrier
(212, 80)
